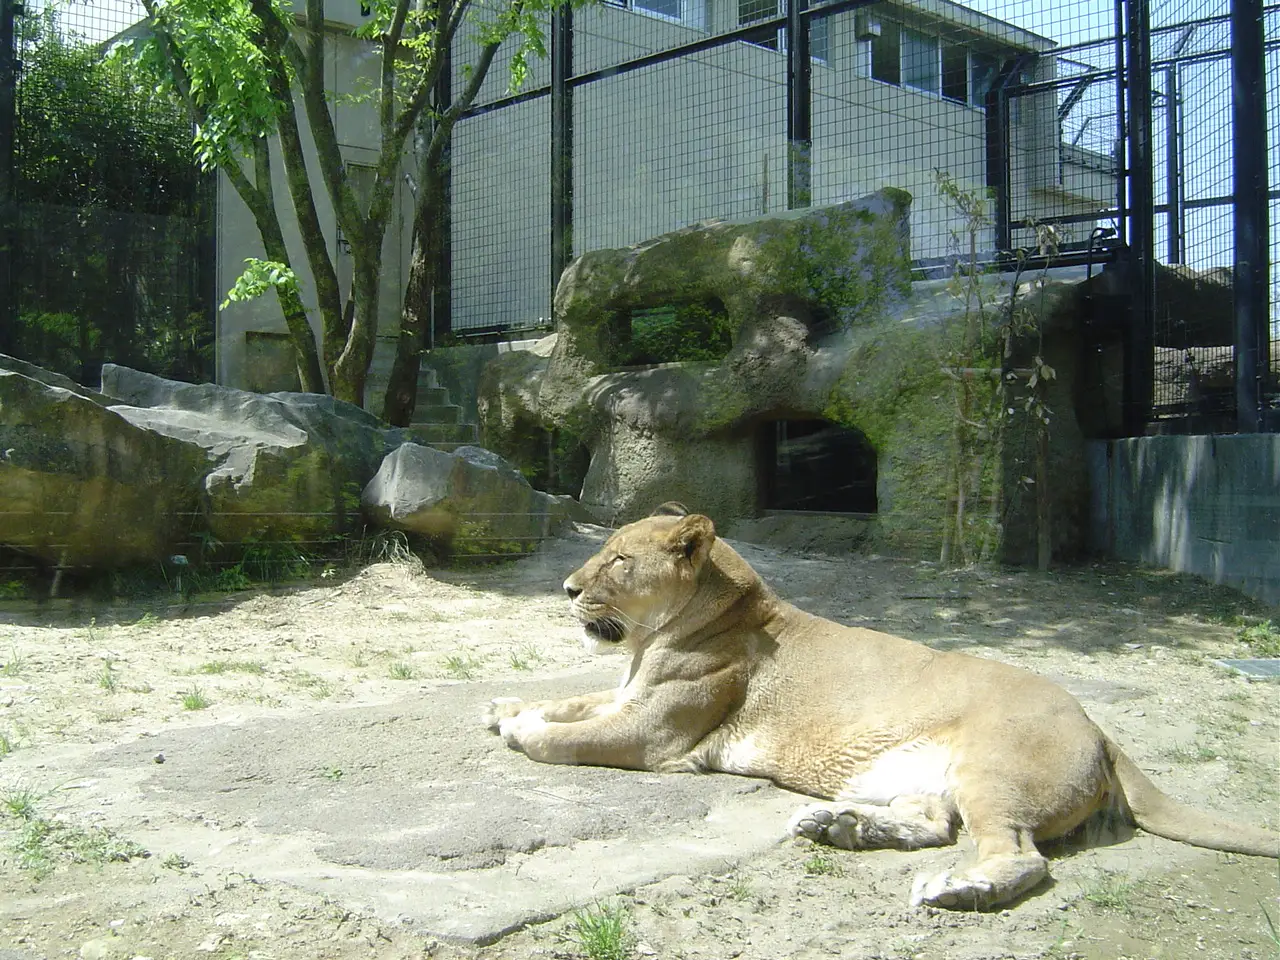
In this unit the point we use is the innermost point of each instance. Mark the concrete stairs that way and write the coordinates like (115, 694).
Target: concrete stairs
(437, 422)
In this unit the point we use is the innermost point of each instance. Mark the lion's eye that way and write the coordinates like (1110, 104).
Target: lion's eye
(617, 560)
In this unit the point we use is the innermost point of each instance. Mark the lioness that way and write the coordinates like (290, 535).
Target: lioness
(908, 742)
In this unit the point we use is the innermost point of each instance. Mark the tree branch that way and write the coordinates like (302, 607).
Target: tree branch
(310, 70)
(328, 295)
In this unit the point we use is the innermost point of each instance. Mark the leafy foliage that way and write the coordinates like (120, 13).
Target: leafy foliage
(691, 332)
(110, 216)
(226, 65)
(260, 276)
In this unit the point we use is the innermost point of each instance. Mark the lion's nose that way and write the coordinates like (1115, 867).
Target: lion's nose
(571, 590)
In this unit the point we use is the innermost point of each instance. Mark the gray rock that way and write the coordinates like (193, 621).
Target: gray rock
(81, 484)
(129, 474)
(281, 465)
(471, 499)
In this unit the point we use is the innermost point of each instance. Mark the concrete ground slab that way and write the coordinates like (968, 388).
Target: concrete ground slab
(416, 813)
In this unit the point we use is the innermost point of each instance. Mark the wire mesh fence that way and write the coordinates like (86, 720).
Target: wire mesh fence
(112, 232)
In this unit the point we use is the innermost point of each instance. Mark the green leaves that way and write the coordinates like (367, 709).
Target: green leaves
(218, 44)
(260, 276)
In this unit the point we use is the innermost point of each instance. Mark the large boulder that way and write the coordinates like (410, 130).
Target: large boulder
(822, 267)
(82, 485)
(860, 354)
(148, 467)
(280, 465)
(472, 500)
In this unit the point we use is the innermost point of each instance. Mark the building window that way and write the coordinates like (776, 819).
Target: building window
(919, 61)
(886, 54)
(687, 12)
(749, 11)
(922, 61)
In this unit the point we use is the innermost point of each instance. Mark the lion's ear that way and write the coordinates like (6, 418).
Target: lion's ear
(693, 537)
(672, 508)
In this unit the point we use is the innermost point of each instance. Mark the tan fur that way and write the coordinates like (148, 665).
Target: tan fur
(905, 742)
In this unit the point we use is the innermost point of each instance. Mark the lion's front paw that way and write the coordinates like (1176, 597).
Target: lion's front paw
(499, 709)
(952, 891)
(516, 730)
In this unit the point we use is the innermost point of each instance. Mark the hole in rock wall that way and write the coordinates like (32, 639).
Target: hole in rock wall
(673, 333)
(816, 465)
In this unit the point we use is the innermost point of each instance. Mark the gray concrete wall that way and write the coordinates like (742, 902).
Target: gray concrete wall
(1203, 505)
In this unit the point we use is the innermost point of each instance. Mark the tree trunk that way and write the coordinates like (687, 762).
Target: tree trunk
(415, 321)
(352, 366)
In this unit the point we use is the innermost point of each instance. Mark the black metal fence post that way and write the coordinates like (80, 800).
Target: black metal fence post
(1249, 148)
(799, 108)
(996, 109)
(9, 9)
(561, 145)
(1173, 167)
(442, 292)
(1140, 331)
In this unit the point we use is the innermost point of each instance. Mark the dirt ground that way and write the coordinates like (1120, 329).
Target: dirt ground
(1136, 646)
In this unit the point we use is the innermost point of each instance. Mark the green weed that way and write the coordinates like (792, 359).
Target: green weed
(823, 864)
(107, 677)
(603, 932)
(194, 699)
(214, 667)
(461, 666)
(1111, 892)
(402, 671)
(14, 666)
(525, 658)
(1262, 639)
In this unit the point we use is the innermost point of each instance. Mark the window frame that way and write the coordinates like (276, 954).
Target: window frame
(696, 21)
(938, 43)
(779, 43)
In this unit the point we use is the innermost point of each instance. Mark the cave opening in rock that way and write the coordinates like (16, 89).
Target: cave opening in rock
(816, 465)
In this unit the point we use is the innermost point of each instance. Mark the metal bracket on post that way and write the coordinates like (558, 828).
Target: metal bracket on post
(1140, 331)
(561, 145)
(799, 108)
(1249, 143)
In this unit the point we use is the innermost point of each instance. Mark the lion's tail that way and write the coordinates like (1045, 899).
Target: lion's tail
(1160, 814)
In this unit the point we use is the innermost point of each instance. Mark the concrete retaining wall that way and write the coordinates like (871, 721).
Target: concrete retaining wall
(1203, 505)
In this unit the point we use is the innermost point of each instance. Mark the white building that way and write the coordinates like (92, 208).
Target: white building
(898, 93)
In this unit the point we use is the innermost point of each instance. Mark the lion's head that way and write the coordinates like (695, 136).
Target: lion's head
(642, 578)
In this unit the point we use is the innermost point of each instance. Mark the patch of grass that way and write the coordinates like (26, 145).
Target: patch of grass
(740, 888)
(107, 677)
(461, 666)
(214, 667)
(175, 861)
(402, 671)
(603, 932)
(148, 619)
(1196, 752)
(1262, 639)
(7, 746)
(332, 773)
(194, 699)
(21, 802)
(14, 666)
(1111, 892)
(42, 841)
(822, 864)
(525, 658)
(317, 686)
